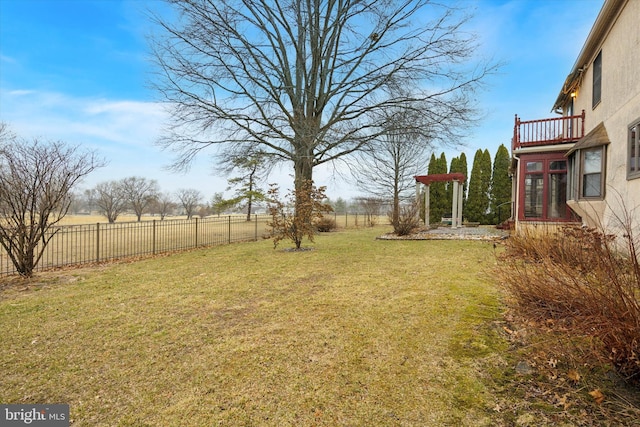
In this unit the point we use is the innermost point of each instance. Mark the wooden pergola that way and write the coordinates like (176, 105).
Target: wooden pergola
(456, 208)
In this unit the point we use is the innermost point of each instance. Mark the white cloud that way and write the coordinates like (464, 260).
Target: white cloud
(20, 92)
(121, 131)
(99, 121)
(124, 132)
(8, 59)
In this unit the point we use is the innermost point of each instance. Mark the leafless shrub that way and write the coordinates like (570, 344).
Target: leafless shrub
(585, 280)
(325, 224)
(407, 221)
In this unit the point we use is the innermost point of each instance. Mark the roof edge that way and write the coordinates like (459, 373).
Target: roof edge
(605, 19)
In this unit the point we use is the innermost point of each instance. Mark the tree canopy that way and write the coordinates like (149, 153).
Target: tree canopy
(307, 80)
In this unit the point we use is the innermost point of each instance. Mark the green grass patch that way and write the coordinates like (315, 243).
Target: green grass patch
(355, 332)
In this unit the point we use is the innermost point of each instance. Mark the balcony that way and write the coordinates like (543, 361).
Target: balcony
(557, 130)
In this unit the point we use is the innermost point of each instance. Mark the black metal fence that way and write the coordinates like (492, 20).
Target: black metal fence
(93, 243)
(100, 242)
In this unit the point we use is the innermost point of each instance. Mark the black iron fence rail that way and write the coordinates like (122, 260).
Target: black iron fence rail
(102, 242)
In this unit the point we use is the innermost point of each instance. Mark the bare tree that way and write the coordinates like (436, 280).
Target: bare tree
(163, 205)
(189, 200)
(110, 199)
(139, 193)
(371, 207)
(36, 181)
(387, 169)
(306, 80)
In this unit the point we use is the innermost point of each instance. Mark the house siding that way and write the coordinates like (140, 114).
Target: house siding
(618, 109)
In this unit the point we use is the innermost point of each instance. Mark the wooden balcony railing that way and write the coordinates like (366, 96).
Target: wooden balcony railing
(557, 130)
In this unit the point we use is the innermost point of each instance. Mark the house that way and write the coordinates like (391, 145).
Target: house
(584, 166)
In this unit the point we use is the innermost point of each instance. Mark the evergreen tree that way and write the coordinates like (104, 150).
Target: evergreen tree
(486, 184)
(459, 165)
(253, 168)
(463, 169)
(437, 190)
(339, 206)
(444, 202)
(431, 169)
(452, 169)
(479, 183)
(500, 186)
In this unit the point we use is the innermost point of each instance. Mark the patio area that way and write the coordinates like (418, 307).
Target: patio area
(483, 232)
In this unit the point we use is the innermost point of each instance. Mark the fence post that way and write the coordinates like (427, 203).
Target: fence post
(229, 229)
(97, 242)
(153, 243)
(256, 228)
(196, 245)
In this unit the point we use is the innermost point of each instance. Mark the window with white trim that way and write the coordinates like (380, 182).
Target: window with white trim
(592, 173)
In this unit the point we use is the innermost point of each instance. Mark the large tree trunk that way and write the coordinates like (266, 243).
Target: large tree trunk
(303, 167)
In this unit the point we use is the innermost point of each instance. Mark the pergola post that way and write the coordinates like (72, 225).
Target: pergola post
(460, 201)
(418, 194)
(426, 205)
(454, 207)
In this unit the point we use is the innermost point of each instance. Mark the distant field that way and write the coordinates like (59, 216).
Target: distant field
(93, 219)
(342, 220)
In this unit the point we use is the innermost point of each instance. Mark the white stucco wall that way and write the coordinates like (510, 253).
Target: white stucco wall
(618, 109)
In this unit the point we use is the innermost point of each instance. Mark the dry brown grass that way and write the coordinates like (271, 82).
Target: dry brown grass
(354, 332)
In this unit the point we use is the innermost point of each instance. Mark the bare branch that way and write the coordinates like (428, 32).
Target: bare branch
(308, 81)
(36, 182)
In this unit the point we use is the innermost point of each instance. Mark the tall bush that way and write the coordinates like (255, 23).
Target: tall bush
(309, 206)
(584, 280)
(407, 221)
(437, 190)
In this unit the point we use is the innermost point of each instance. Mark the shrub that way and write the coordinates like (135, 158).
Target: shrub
(308, 208)
(325, 224)
(581, 279)
(408, 220)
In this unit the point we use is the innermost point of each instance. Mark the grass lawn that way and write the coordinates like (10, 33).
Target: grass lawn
(357, 332)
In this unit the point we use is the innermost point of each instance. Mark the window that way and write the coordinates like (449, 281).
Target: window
(597, 80)
(557, 193)
(544, 185)
(533, 190)
(592, 183)
(633, 170)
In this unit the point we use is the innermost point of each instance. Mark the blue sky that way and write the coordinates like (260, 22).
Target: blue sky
(79, 71)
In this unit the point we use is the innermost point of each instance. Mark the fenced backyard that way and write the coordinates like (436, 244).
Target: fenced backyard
(77, 244)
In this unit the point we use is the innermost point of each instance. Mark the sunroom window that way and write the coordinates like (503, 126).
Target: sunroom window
(544, 184)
